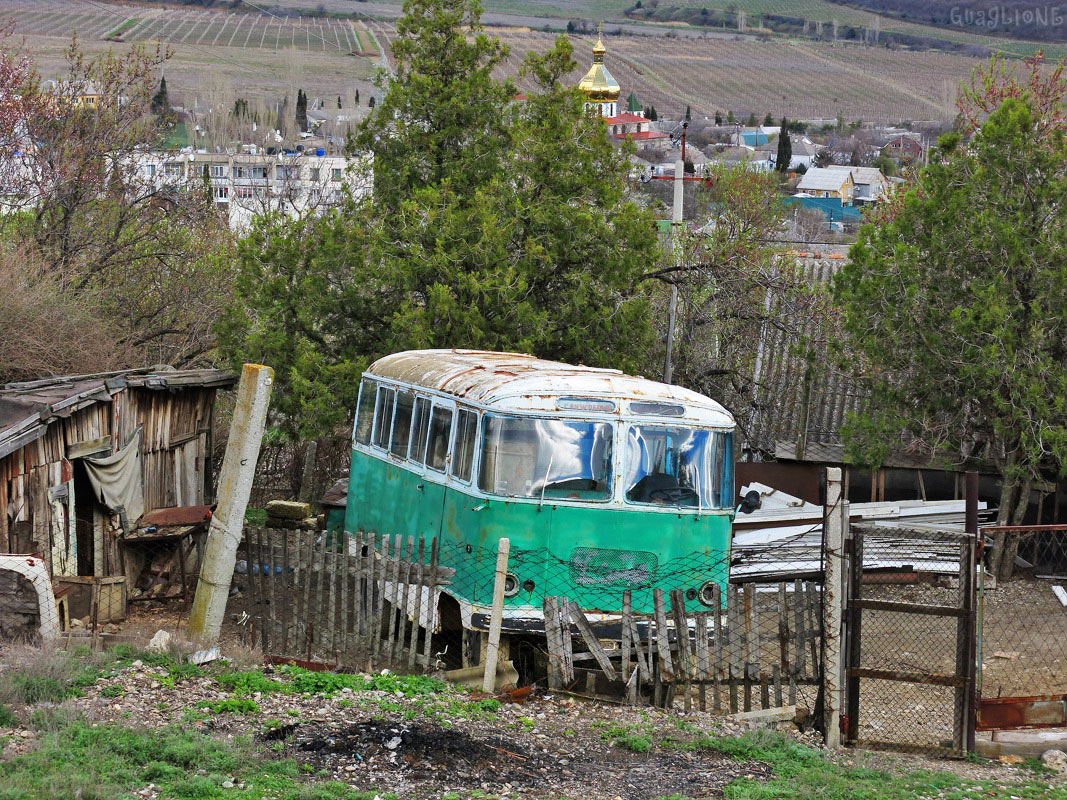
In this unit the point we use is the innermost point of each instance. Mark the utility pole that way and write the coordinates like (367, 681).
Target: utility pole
(676, 244)
(235, 486)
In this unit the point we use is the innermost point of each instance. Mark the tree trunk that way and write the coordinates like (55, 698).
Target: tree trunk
(1009, 493)
(1011, 540)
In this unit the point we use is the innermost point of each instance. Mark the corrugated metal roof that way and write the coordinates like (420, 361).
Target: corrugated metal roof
(822, 179)
(26, 407)
(520, 382)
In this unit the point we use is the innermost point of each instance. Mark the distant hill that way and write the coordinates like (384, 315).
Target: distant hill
(1027, 19)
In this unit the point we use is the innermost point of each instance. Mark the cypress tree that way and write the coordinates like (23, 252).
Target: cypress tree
(785, 149)
(688, 114)
(160, 101)
(302, 111)
(338, 101)
(718, 118)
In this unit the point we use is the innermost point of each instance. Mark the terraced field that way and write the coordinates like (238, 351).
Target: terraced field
(260, 55)
(797, 80)
(198, 28)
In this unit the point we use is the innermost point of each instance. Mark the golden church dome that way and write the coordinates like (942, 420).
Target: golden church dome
(598, 85)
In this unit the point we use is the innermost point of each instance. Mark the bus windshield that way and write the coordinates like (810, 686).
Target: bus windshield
(550, 458)
(678, 466)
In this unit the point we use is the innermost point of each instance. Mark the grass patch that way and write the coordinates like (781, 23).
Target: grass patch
(803, 773)
(326, 684)
(628, 738)
(7, 717)
(256, 517)
(109, 761)
(112, 691)
(231, 705)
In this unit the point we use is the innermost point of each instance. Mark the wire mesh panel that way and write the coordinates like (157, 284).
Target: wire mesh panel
(748, 640)
(1023, 622)
(911, 605)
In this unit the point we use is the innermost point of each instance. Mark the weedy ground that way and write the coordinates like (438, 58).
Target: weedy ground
(127, 724)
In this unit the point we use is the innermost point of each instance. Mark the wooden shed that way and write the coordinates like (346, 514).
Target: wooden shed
(152, 428)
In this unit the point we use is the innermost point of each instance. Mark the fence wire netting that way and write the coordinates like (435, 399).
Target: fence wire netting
(908, 637)
(1024, 619)
(351, 601)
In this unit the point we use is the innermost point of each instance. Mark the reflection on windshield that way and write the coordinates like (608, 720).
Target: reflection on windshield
(558, 459)
(677, 466)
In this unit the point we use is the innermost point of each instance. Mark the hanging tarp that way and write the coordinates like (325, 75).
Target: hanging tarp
(117, 480)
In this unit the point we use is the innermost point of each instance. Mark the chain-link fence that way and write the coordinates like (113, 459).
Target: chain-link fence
(1024, 619)
(740, 642)
(29, 608)
(909, 650)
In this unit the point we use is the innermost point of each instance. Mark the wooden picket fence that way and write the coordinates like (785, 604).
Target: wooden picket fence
(765, 639)
(347, 601)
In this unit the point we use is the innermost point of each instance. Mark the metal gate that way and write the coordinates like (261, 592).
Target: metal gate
(910, 638)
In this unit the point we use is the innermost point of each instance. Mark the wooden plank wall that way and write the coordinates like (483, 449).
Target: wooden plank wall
(175, 456)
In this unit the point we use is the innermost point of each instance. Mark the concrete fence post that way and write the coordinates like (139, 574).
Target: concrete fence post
(235, 487)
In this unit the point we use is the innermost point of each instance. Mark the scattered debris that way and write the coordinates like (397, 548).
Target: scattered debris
(1056, 760)
(160, 643)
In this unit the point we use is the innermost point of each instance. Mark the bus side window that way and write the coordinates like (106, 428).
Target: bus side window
(365, 412)
(383, 419)
(402, 424)
(419, 427)
(440, 434)
(463, 455)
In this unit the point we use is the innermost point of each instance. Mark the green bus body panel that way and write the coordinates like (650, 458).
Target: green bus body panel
(620, 549)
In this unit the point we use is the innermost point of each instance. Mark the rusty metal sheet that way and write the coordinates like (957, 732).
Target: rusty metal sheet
(177, 515)
(519, 382)
(1007, 713)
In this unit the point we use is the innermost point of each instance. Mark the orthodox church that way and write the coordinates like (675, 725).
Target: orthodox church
(602, 93)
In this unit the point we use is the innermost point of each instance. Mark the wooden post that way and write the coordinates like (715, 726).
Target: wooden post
(235, 486)
(717, 671)
(417, 602)
(833, 541)
(496, 617)
(287, 596)
(663, 642)
(554, 642)
(427, 644)
(624, 637)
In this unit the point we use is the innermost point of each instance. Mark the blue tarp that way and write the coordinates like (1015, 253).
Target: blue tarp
(830, 206)
(754, 138)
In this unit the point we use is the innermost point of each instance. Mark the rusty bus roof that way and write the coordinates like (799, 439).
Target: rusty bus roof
(521, 382)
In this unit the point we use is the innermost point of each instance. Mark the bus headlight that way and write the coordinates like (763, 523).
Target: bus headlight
(707, 594)
(511, 585)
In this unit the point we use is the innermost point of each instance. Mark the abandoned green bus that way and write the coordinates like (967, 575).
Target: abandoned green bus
(601, 481)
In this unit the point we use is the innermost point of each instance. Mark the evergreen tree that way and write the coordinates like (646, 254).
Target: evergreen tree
(370, 102)
(688, 114)
(338, 101)
(357, 97)
(730, 118)
(302, 111)
(751, 122)
(953, 300)
(160, 100)
(785, 149)
(718, 118)
(768, 120)
(652, 115)
(474, 236)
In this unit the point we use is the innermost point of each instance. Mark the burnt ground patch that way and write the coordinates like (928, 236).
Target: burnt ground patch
(423, 758)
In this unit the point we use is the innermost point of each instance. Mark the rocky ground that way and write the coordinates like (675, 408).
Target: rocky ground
(416, 737)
